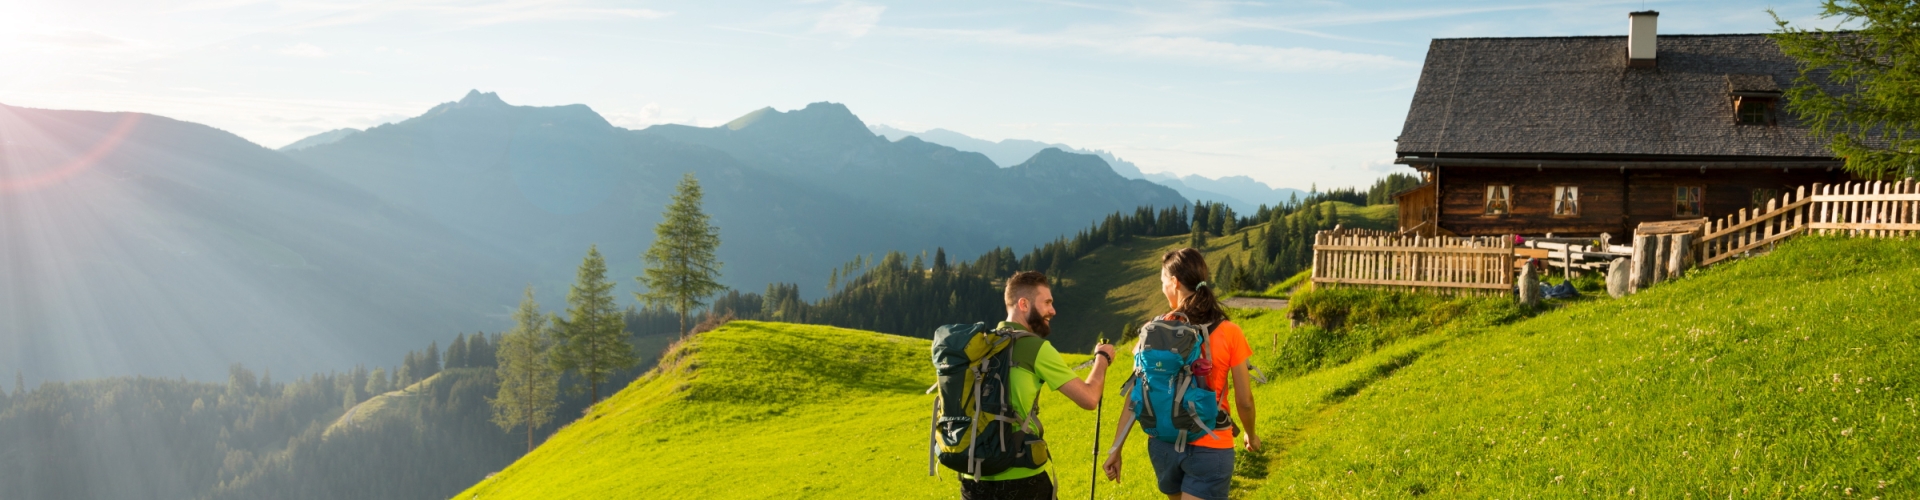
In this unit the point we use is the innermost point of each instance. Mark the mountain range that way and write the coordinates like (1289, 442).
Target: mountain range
(1240, 192)
(178, 249)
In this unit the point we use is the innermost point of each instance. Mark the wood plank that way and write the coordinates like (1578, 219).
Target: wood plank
(1427, 284)
(1757, 244)
(1671, 226)
(1869, 197)
(1756, 220)
(1862, 226)
(1535, 253)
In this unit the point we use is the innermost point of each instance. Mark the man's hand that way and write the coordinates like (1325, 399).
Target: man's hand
(1103, 348)
(1112, 466)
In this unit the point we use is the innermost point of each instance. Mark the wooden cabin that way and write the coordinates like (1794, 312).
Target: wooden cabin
(1590, 135)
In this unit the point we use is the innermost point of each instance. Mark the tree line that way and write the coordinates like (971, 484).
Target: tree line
(911, 294)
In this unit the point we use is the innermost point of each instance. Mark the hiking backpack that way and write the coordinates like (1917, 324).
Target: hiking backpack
(1168, 389)
(976, 429)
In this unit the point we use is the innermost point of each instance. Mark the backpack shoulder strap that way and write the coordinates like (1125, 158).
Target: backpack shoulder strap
(1026, 350)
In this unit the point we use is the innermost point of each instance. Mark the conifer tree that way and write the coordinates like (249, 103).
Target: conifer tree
(377, 382)
(592, 340)
(682, 270)
(1856, 84)
(457, 352)
(430, 363)
(529, 383)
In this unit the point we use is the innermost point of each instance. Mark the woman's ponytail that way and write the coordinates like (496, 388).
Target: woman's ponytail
(1189, 268)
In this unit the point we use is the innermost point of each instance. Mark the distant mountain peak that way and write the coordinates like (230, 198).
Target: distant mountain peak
(477, 98)
(750, 118)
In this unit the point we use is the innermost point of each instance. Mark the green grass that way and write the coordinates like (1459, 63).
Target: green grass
(1114, 288)
(1382, 217)
(1787, 375)
(764, 410)
(405, 401)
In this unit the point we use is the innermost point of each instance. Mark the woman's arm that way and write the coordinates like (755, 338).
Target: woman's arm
(1112, 465)
(1243, 404)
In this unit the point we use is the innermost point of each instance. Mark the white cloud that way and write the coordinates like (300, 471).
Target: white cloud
(851, 19)
(304, 50)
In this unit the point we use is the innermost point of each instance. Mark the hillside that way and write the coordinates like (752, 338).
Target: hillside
(1112, 289)
(138, 244)
(1768, 376)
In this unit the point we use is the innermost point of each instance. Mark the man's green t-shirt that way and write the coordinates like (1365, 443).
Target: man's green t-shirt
(1024, 384)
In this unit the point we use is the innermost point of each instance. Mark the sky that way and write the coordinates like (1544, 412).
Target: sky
(1291, 93)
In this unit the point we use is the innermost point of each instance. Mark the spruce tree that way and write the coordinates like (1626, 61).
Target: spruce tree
(592, 339)
(682, 270)
(1856, 84)
(431, 362)
(457, 352)
(529, 383)
(377, 382)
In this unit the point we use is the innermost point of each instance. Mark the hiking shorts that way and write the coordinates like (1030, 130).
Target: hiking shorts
(1200, 471)
(1035, 487)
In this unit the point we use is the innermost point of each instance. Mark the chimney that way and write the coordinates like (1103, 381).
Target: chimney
(1640, 38)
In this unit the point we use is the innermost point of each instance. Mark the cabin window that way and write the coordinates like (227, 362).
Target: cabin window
(1763, 195)
(1499, 200)
(1566, 201)
(1687, 201)
(1753, 110)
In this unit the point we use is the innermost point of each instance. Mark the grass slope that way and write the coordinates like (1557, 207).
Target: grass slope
(1786, 375)
(776, 410)
(1791, 374)
(404, 401)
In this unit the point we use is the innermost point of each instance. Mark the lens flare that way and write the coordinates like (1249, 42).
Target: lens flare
(100, 149)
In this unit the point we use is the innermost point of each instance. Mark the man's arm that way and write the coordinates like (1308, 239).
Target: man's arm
(1086, 393)
(1243, 405)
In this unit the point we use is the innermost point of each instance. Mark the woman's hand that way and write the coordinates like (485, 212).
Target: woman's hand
(1253, 442)
(1112, 466)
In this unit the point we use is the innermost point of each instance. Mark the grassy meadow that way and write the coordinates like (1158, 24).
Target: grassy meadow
(1113, 289)
(1786, 375)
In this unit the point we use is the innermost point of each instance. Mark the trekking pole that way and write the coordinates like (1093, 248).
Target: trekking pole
(1099, 406)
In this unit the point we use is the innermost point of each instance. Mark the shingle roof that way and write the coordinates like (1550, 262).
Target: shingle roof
(1576, 95)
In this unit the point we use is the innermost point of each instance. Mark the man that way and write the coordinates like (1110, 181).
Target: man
(1029, 301)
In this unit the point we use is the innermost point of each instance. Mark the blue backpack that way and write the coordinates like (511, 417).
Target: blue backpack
(1170, 400)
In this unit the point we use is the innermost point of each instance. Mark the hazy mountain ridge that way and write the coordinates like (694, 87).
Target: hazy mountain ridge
(328, 137)
(795, 193)
(1240, 192)
(184, 248)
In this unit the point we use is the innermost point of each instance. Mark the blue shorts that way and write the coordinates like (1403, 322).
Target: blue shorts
(1200, 471)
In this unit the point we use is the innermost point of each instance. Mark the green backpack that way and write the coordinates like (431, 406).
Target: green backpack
(976, 429)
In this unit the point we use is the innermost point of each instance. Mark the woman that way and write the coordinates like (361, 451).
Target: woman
(1205, 469)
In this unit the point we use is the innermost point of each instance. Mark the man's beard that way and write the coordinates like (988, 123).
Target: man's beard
(1038, 323)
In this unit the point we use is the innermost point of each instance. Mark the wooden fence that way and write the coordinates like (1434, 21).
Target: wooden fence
(1377, 259)
(1873, 209)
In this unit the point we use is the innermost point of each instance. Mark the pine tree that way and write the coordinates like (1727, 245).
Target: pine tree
(457, 352)
(529, 383)
(431, 362)
(377, 382)
(1856, 84)
(480, 354)
(682, 270)
(592, 340)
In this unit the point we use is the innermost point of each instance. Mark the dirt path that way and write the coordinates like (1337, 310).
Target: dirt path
(1255, 303)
